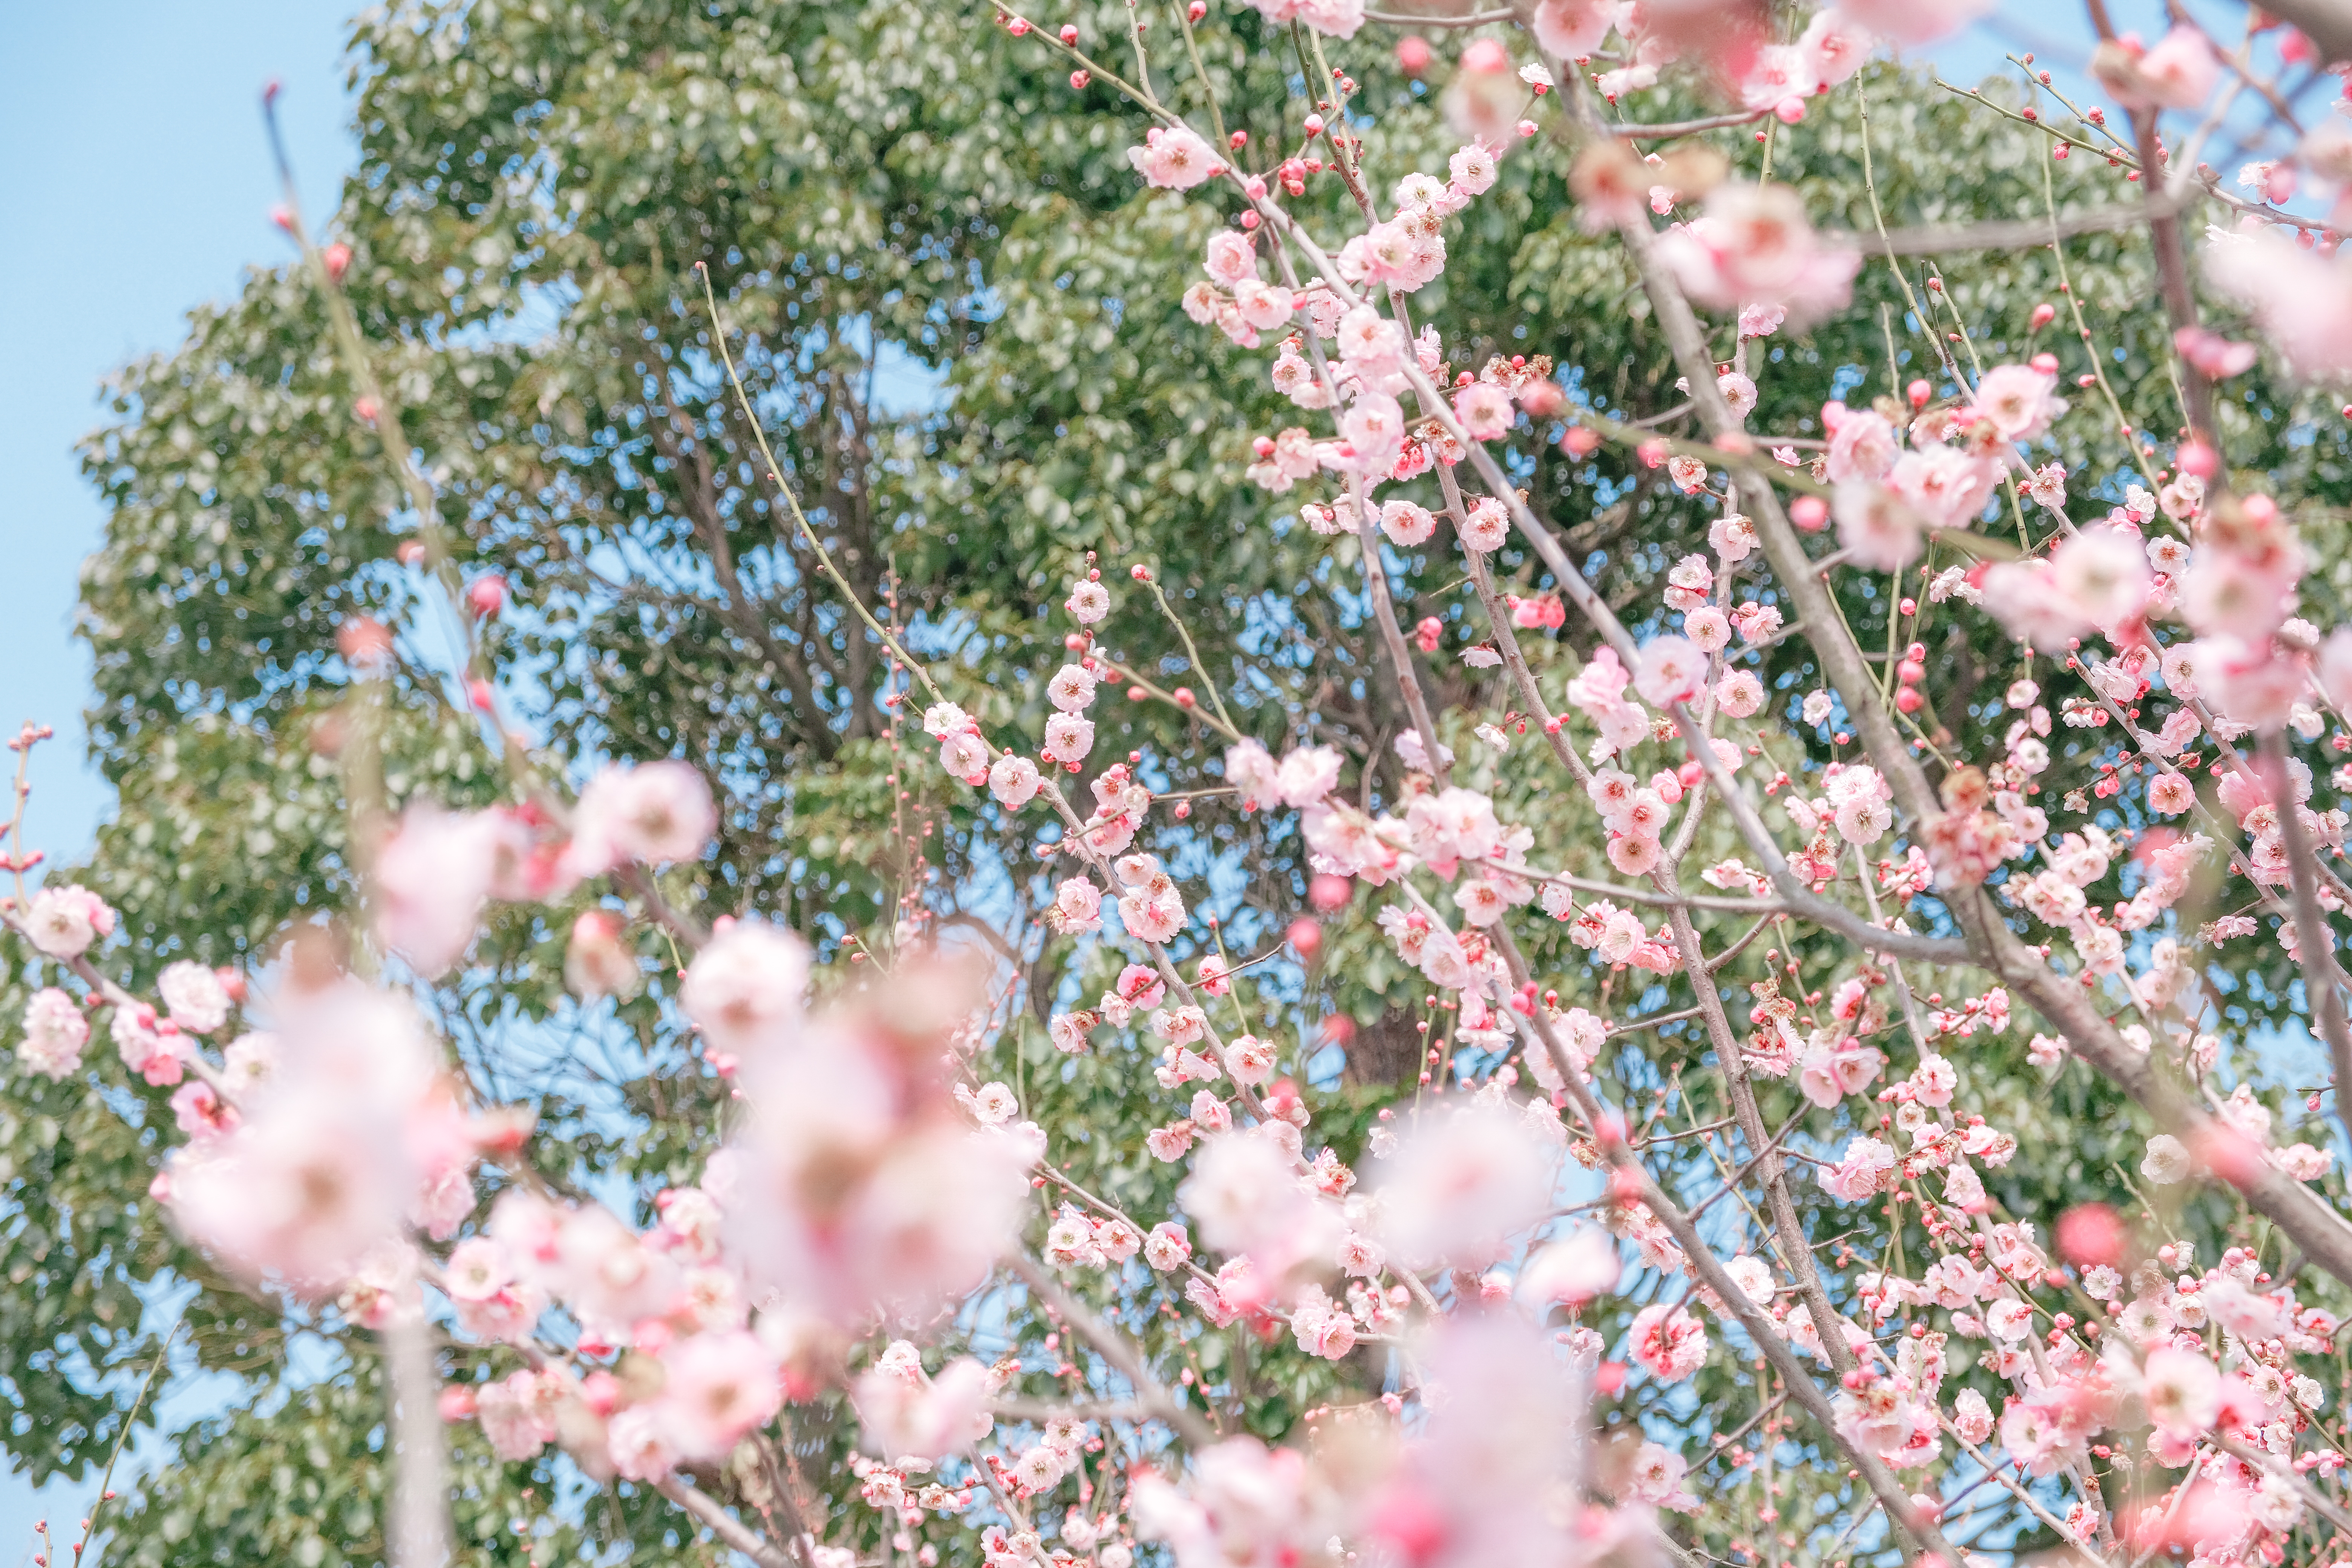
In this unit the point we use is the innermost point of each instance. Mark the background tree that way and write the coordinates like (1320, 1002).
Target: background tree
(959, 314)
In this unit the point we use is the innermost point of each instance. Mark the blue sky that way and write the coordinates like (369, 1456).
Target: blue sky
(137, 184)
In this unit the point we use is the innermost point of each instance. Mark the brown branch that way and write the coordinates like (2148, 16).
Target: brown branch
(2315, 939)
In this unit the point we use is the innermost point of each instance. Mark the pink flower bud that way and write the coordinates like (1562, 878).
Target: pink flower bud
(2091, 1234)
(1485, 56)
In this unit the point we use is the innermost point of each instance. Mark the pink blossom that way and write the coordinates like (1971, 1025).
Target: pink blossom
(2180, 71)
(1912, 22)
(1572, 1272)
(199, 1003)
(2098, 579)
(1835, 45)
(517, 1414)
(856, 1180)
(1374, 428)
(2302, 300)
(714, 1388)
(1827, 1075)
(1857, 1175)
(1668, 1342)
(1671, 669)
(1571, 29)
(1876, 526)
(1153, 912)
(1230, 257)
(1244, 1503)
(432, 877)
(1251, 770)
(1460, 1183)
(2019, 401)
(1077, 905)
(747, 988)
(1488, 525)
(1407, 524)
(1338, 18)
(321, 1165)
(1947, 487)
(1175, 158)
(1753, 244)
(1167, 1247)
(64, 921)
(2182, 1390)
(1013, 781)
(1484, 411)
(55, 1033)
(156, 1051)
(1307, 774)
(1483, 100)
(650, 813)
(1470, 1488)
(908, 1416)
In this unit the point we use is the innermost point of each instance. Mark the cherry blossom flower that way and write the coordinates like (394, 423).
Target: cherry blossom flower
(856, 1184)
(2302, 300)
(2019, 401)
(1338, 18)
(199, 1003)
(652, 813)
(1911, 22)
(1571, 29)
(1754, 245)
(1876, 526)
(1068, 739)
(1486, 527)
(1668, 1342)
(910, 1416)
(55, 1033)
(1671, 669)
(2166, 1162)
(714, 1388)
(1175, 158)
(1460, 1184)
(64, 921)
(746, 991)
(433, 877)
(323, 1165)
(1572, 1272)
